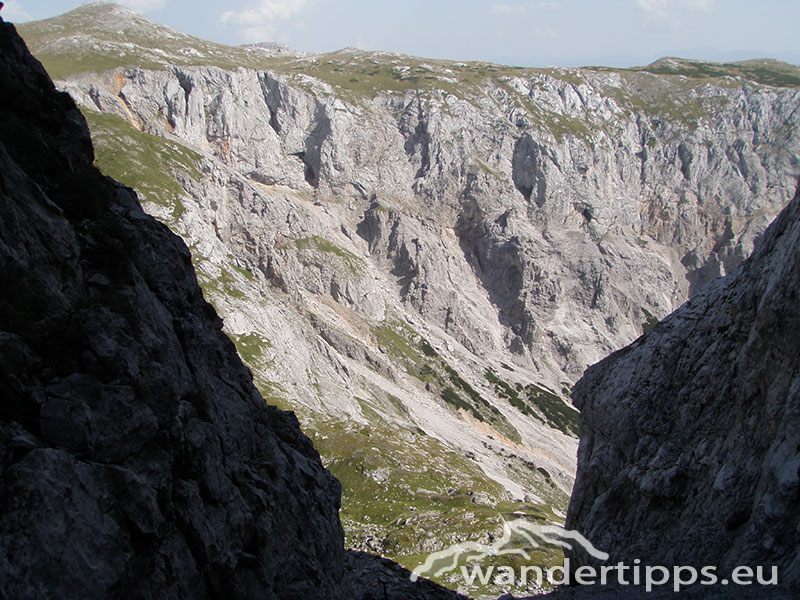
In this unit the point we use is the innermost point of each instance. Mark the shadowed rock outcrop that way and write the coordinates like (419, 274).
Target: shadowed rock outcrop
(690, 447)
(136, 457)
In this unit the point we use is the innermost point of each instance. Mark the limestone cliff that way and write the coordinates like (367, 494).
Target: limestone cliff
(599, 195)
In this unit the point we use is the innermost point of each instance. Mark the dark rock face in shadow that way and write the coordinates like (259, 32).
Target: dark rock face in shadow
(690, 448)
(370, 577)
(137, 458)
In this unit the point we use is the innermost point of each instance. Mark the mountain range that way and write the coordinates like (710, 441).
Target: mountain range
(421, 257)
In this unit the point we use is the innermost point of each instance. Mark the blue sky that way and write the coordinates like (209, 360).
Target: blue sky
(522, 32)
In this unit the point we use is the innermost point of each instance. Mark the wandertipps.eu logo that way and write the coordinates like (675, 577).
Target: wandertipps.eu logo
(519, 538)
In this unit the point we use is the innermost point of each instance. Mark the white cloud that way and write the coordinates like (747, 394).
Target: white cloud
(518, 9)
(258, 22)
(13, 11)
(674, 11)
(507, 9)
(144, 6)
(656, 9)
(701, 5)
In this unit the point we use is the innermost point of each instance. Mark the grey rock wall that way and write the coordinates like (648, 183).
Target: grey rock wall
(690, 445)
(597, 195)
(537, 220)
(540, 221)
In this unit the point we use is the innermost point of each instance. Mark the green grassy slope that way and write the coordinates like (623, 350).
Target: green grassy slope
(98, 37)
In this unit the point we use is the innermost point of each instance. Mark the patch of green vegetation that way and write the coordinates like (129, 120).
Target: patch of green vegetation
(423, 362)
(354, 263)
(427, 349)
(556, 412)
(650, 320)
(449, 395)
(562, 126)
(273, 393)
(227, 281)
(378, 74)
(538, 402)
(462, 395)
(674, 102)
(246, 273)
(777, 77)
(356, 75)
(680, 99)
(397, 340)
(251, 347)
(693, 70)
(397, 405)
(504, 390)
(147, 163)
(767, 72)
(412, 495)
(507, 367)
(462, 384)
(223, 285)
(420, 468)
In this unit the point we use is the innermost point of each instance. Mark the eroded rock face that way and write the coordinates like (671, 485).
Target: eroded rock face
(136, 456)
(534, 218)
(575, 195)
(690, 447)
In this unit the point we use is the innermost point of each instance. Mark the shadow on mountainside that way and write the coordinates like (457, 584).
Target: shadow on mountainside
(370, 577)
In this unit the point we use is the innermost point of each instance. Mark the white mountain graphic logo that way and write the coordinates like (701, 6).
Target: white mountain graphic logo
(519, 536)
